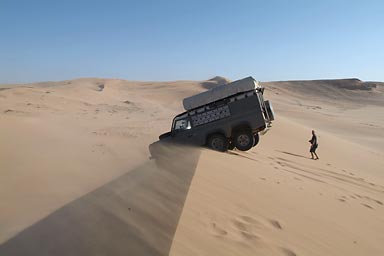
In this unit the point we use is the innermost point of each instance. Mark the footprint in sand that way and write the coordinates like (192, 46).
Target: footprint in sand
(246, 226)
(249, 219)
(288, 252)
(368, 206)
(249, 235)
(243, 228)
(275, 224)
(367, 198)
(216, 230)
(373, 200)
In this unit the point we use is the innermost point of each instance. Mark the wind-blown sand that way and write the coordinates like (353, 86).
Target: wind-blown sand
(76, 179)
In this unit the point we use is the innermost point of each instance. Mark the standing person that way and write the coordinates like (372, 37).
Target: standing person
(314, 145)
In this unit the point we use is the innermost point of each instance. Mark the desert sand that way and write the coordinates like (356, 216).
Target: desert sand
(76, 178)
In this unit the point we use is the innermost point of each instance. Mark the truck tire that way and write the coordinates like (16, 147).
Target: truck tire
(243, 140)
(257, 138)
(218, 142)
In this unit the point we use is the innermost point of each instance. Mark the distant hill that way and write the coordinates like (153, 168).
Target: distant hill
(335, 90)
(349, 83)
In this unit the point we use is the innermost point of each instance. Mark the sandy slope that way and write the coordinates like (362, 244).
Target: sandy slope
(348, 108)
(273, 200)
(75, 176)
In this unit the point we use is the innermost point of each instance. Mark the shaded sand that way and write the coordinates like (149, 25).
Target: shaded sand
(135, 214)
(75, 178)
(62, 140)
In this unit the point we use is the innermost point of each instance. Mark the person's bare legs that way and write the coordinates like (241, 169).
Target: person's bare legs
(315, 155)
(312, 155)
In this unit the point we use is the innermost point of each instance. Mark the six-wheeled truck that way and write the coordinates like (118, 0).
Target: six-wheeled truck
(225, 117)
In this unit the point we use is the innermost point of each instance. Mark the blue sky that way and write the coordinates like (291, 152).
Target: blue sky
(193, 40)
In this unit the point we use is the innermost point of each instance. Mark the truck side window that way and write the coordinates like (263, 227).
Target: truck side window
(182, 124)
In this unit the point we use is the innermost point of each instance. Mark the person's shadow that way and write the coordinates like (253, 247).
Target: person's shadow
(291, 154)
(135, 214)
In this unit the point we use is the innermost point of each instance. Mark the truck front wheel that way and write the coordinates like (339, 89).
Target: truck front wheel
(218, 142)
(243, 140)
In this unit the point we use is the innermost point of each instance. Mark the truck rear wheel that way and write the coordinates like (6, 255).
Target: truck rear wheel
(218, 142)
(243, 140)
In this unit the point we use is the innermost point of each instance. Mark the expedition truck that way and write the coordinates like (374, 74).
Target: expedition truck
(227, 116)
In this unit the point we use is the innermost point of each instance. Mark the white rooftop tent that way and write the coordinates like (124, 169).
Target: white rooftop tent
(220, 92)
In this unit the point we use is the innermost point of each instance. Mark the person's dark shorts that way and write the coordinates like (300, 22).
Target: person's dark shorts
(313, 148)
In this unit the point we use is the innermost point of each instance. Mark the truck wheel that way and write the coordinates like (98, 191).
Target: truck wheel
(244, 140)
(218, 142)
(257, 138)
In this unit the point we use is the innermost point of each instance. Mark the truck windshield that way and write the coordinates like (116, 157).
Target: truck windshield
(181, 123)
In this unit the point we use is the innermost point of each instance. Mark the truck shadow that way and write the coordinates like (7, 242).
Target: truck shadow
(135, 214)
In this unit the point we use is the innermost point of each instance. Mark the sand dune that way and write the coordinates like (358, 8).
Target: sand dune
(334, 106)
(75, 178)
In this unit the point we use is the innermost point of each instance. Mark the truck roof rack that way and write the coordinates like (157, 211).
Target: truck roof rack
(220, 92)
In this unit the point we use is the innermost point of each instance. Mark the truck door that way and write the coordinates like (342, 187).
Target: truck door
(182, 130)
